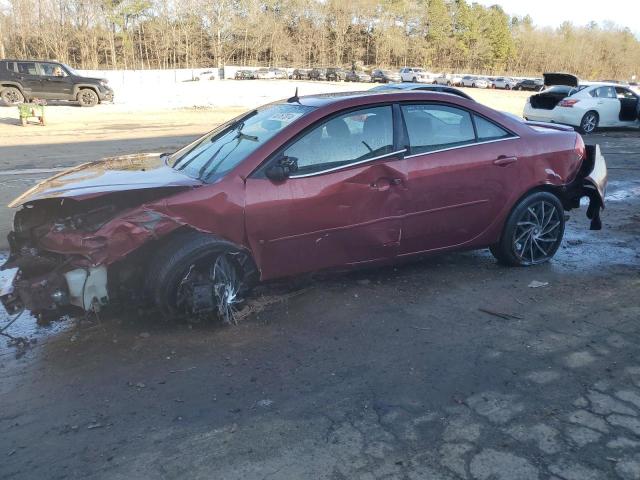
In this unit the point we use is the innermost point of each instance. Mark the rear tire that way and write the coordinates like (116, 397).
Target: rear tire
(533, 231)
(11, 96)
(589, 122)
(87, 98)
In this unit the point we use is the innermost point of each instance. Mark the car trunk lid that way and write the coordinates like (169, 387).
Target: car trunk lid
(551, 79)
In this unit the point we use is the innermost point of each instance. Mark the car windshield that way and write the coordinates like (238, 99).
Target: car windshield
(213, 155)
(71, 70)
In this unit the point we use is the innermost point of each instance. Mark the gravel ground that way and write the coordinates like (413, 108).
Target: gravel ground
(391, 373)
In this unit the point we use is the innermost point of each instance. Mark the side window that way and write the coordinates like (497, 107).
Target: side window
(604, 92)
(624, 93)
(27, 68)
(434, 127)
(353, 137)
(11, 66)
(488, 130)
(52, 70)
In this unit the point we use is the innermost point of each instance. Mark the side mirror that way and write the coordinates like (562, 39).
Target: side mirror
(282, 169)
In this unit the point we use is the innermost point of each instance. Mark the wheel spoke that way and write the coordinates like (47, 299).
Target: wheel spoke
(532, 212)
(522, 235)
(551, 215)
(544, 252)
(549, 229)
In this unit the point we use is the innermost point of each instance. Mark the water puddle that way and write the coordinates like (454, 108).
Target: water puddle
(617, 191)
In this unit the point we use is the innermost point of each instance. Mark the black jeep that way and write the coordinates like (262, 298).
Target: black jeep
(23, 80)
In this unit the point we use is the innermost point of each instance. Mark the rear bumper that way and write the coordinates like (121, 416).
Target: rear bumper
(537, 114)
(591, 182)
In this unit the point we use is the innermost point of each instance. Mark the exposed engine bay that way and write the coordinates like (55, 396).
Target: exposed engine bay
(46, 254)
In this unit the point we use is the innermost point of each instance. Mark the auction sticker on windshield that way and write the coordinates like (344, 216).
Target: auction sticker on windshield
(286, 117)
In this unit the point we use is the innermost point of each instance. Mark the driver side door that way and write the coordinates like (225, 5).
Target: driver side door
(56, 83)
(343, 204)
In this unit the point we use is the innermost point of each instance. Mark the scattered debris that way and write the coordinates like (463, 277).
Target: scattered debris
(505, 316)
(538, 284)
(144, 335)
(93, 426)
(257, 305)
(182, 370)
(267, 402)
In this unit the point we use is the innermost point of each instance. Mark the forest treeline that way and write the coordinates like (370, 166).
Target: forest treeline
(441, 35)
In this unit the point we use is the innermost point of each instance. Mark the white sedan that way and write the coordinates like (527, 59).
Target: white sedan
(584, 106)
(505, 83)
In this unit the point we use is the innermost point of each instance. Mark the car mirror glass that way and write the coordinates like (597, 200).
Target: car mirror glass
(282, 169)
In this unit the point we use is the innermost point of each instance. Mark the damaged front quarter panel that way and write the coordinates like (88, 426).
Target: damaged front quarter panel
(67, 255)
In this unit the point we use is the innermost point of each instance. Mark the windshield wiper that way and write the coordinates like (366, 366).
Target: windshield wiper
(233, 126)
(238, 137)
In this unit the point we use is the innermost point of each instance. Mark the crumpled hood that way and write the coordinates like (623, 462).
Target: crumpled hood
(129, 172)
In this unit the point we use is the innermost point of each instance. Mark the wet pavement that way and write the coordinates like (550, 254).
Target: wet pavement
(447, 368)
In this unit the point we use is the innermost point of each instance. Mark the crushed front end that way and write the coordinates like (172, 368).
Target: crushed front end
(67, 254)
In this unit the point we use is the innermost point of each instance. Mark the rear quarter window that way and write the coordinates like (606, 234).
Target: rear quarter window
(488, 130)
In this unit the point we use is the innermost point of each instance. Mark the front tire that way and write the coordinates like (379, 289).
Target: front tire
(589, 122)
(87, 98)
(533, 232)
(199, 275)
(11, 96)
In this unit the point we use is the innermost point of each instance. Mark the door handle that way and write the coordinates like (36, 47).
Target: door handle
(503, 160)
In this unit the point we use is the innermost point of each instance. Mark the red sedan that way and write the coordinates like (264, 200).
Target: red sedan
(306, 184)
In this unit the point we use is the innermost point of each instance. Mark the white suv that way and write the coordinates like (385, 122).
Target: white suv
(414, 74)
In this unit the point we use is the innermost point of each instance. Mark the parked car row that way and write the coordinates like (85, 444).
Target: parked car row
(405, 74)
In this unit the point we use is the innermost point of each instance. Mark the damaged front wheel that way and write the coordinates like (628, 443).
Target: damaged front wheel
(200, 276)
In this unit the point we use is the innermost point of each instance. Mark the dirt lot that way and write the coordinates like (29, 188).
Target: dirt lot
(391, 373)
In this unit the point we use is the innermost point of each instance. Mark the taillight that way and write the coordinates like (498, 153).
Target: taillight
(579, 147)
(568, 103)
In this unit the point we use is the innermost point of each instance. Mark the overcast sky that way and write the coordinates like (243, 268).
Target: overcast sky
(552, 13)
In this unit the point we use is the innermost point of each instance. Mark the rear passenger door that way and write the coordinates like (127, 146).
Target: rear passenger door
(27, 74)
(461, 168)
(608, 106)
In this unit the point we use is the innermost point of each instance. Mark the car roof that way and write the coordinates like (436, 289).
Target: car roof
(603, 84)
(391, 95)
(424, 87)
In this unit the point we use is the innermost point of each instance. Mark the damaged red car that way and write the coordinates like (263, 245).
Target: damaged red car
(301, 185)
